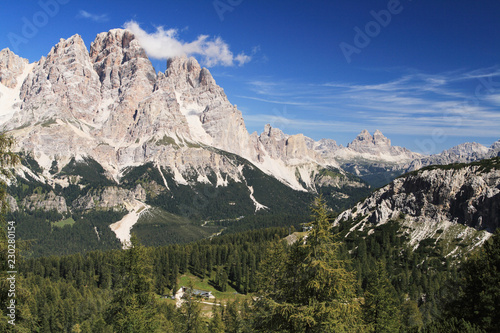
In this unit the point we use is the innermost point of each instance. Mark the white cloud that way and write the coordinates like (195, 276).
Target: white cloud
(494, 99)
(164, 44)
(93, 17)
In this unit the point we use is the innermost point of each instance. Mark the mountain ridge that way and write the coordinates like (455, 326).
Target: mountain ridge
(107, 104)
(120, 103)
(450, 202)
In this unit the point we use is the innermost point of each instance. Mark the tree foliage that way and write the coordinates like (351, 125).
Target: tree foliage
(479, 299)
(381, 306)
(133, 307)
(307, 287)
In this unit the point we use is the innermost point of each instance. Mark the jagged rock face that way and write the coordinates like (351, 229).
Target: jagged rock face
(110, 198)
(274, 141)
(11, 66)
(365, 142)
(213, 119)
(495, 147)
(376, 146)
(12, 203)
(61, 86)
(326, 147)
(46, 202)
(293, 149)
(127, 77)
(435, 199)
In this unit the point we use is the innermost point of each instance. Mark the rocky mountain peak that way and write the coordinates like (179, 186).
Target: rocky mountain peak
(380, 139)
(183, 68)
(466, 149)
(462, 153)
(11, 66)
(71, 44)
(64, 82)
(365, 139)
(364, 136)
(274, 133)
(118, 56)
(182, 64)
(376, 147)
(495, 148)
(114, 40)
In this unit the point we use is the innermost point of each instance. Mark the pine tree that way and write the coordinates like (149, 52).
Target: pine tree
(307, 287)
(133, 307)
(191, 313)
(479, 300)
(380, 308)
(216, 324)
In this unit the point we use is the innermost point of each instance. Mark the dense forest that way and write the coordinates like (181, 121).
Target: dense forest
(367, 283)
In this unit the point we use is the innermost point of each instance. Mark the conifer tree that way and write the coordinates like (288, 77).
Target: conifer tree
(307, 287)
(133, 307)
(191, 313)
(380, 308)
(216, 324)
(479, 299)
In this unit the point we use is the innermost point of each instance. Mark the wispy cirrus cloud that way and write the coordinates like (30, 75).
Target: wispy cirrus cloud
(93, 17)
(458, 103)
(164, 44)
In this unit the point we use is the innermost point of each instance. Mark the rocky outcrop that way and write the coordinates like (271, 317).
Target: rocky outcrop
(110, 198)
(47, 202)
(376, 147)
(127, 77)
(435, 199)
(11, 203)
(326, 178)
(61, 86)
(11, 67)
(463, 153)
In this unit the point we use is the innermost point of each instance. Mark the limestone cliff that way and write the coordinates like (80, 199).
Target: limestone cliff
(434, 201)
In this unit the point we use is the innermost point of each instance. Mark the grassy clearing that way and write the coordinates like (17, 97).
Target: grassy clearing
(222, 297)
(62, 223)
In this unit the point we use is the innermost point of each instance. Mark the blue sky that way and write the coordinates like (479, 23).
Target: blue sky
(426, 73)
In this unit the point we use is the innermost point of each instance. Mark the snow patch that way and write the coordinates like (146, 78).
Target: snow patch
(203, 179)
(221, 181)
(97, 233)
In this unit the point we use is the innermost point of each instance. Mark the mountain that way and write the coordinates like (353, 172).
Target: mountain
(100, 130)
(372, 158)
(110, 105)
(463, 153)
(457, 205)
